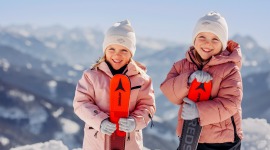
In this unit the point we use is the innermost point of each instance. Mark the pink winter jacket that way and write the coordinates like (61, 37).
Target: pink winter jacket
(226, 95)
(91, 104)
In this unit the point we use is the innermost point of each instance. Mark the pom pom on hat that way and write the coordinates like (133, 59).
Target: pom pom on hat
(121, 33)
(212, 22)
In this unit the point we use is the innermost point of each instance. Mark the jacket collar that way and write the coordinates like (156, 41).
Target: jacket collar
(130, 70)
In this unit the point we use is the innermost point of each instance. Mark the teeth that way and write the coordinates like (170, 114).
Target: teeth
(206, 50)
(116, 61)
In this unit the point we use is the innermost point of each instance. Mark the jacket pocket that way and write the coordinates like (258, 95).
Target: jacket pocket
(93, 139)
(91, 131)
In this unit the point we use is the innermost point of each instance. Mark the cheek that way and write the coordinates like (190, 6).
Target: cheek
(218, 48)
(197, 47)
(125, 61)
(197, 43)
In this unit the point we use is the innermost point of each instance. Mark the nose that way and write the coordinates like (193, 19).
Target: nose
(208, 42)
(117, 53)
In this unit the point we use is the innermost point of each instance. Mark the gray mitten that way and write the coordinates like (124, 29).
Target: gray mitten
(107, 127)
(190, 110)
(127, 124)
(201, 76)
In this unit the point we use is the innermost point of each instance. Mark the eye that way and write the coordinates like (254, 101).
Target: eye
(215, 40)
(111, 49)
(201, 37)
(124, 51)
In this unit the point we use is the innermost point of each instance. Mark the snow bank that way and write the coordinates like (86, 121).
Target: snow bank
(256, 134)
(256, 137)
(50, 145)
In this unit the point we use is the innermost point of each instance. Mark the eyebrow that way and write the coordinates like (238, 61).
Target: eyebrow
(119, 49)
(201, 36)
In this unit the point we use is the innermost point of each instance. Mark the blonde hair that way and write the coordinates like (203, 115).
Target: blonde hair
(100, 60)
(138, 65)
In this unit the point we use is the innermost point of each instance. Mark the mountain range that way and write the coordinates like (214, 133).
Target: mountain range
(39, 68)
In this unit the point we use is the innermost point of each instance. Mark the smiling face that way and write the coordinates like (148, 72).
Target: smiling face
(207, 44)
(117, 55)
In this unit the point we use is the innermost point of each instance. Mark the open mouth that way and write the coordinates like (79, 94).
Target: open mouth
(206, 50)
(116, 61)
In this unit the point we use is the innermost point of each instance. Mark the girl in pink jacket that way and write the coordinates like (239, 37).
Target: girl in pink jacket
(91, 101)
(211, 57)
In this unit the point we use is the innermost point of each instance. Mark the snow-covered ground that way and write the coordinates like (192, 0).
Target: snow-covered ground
(256, 132)
(50, 145)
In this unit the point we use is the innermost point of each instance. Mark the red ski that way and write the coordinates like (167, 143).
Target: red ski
(191, 128)
(119, 108)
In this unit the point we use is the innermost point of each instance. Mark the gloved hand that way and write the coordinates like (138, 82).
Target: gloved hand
(107, 127)
(190, 110)
(127, 124)
(201, 76)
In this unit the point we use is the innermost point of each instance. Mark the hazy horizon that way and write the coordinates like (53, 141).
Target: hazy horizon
(171, 20)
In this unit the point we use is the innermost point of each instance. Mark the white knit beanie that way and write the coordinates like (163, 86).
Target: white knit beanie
(121, 33)
(212, 22)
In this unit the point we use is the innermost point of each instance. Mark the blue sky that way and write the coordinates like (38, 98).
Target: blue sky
(171, 20)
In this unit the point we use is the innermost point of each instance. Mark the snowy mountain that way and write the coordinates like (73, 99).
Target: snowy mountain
(76, 46)
(37, 105)
(255, 58)
(23, 61)
(70, 46)
(39, 68)
(83, 46)
(256, 96)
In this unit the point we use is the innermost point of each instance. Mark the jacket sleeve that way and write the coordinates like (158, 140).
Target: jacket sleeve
(145, 106)
(175, 87)
(84, 103)
(227, 102)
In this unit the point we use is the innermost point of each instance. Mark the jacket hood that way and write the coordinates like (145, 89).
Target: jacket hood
(143, 67)
(231, 54)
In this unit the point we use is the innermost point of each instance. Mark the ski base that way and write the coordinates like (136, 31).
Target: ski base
(190, 135)
(117, 142)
